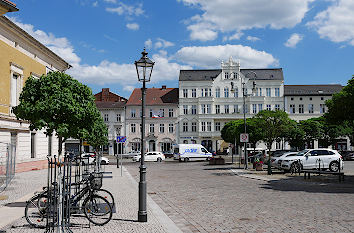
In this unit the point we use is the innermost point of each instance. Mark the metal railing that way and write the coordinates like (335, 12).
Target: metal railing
(7, 164)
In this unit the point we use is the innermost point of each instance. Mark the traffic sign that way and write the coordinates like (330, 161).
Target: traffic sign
(121, 139)
(244, 137)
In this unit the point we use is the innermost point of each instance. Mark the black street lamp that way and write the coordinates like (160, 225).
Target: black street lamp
(144, 69)
(244, 95)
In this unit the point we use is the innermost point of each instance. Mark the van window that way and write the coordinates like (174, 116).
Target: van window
(204, 150)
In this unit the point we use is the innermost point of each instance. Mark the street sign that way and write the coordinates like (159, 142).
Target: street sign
(244, 137)
(121, 139)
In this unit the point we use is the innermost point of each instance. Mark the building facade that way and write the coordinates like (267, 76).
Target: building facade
(161, 116)
(208, 99)
(112, 108)
(22, 56)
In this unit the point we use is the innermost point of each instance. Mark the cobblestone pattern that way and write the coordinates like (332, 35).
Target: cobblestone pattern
(203, 198)
(125, 220)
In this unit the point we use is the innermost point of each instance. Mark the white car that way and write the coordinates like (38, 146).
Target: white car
(131, 154)
(276, 160)
(314, 159)
(150, 156)
(91, 158)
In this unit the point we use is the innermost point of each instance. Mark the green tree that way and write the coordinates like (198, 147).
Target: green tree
(341, 109)
(231, 131)
(313, 130)
(58, 103)
(329, 131)
(273, 126)
(294, 135)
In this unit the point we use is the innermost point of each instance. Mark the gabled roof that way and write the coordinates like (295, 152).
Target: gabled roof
(107, 99)
(154, 96)
(291, 90)
(8, 5)
(210, 75)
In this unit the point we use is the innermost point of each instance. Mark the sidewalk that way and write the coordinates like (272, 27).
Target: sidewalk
(125, 191)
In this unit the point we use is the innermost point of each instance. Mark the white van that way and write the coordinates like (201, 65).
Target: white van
(186, 152)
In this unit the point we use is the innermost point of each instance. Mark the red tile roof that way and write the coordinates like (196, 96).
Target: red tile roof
(155, 96)
(107, 99)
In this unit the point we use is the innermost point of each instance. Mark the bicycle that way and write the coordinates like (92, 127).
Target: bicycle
(96, 208)
(296, 167)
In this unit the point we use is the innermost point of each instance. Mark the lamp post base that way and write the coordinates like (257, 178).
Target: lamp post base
(142, 216)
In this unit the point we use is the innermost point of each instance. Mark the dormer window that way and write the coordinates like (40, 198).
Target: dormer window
(226, 75)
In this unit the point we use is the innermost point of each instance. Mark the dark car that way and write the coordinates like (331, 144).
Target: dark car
(168, 154)
(347, 155)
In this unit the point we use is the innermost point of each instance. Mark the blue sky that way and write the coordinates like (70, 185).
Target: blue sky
(312, 40)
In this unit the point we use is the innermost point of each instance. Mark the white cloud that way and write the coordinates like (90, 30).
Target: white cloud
(110, 1)
(161, 43)
(95, 4)
(235, 36)
(129, 88)
(211, 56)
(60, 46)
(133, 26)
(148, 44)
(127, 10)
(336, 23)
(231, 15)
(293, 40)
(252, 38)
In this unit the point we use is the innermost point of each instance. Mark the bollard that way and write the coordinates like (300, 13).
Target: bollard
(117, 161)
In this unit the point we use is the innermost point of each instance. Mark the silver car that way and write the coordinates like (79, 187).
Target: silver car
(277, 160)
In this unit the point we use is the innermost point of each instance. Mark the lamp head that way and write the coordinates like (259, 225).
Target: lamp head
(144, 67)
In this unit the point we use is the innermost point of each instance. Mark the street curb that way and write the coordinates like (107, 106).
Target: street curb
(165, 221)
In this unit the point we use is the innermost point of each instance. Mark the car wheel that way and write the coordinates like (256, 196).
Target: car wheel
(333, 166)
(186, 159)
(103, 162)
(159, 160)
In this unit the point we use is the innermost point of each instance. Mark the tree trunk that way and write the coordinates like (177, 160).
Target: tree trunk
(60, 146)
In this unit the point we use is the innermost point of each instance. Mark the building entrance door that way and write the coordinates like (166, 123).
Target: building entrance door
(152, 145)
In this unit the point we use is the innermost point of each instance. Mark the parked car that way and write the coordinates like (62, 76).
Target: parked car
(150, 156)
(277, 160)
(91, 158)
(347, 155)
(168, 154)
(131, 154)
(312, 158)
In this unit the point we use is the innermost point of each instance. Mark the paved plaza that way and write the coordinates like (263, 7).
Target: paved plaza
(197, 197)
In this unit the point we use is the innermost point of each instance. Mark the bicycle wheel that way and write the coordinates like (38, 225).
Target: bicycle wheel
(36, 211)
(97, 210)
(105, 194)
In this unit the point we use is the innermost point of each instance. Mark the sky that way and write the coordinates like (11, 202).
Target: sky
(311, 40)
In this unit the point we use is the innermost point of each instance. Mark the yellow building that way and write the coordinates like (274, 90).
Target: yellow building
(22, 56)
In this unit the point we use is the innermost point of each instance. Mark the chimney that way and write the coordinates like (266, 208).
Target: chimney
(105, 94)
(163, 87)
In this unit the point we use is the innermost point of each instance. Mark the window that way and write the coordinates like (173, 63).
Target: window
(301, 108)
(132, 128)
(170, 128)
(292, 108)
(227, 108)
(15, 84)
(260, 107)
(300, 98)
(277, 92)
(236, 92)
(152, 128)
(151, 113)
(194, 93)
(170, 112)
(203, 108)
(208, 126)
(321, 98)
(185, 126)
(217, 109)
(310, 108)
(203, 126)
(185, 93)
(133, 113)
(208, 110)
(310, 98)
(194, 126)
(235, 108)
(162, 112)
(234, 75)
(206, 92)
(194, 109)
(322, 108)
(277, 107)
(105, 117)
(292, 98)
(269, 92)
(269, 107)
(226, 92)
(226, 75)
(260, 92)
(119, 118)
(185, 109)
(217, 92)
(254, 108)
(162, 128)
(217, 126)
(118, 131)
